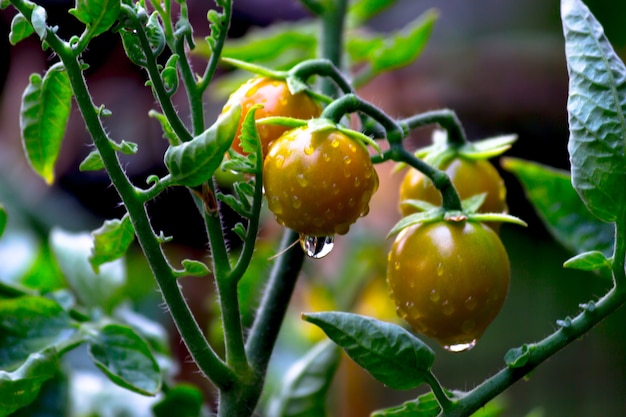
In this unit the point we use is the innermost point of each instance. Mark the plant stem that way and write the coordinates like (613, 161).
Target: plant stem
(323, 67)
(333, 20)
(445, 118)
(209, 71)
(274, 304)
(619, 255)
(438, 392)
(450, 197)
(208, 361)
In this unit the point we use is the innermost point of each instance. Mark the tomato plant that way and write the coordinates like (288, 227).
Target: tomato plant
(448, 272)
(449, 280)
(277, 100)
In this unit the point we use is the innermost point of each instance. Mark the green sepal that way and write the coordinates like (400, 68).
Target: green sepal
(97, 15)
(420, 205)
(194, 162)
(360, 137)
(111, 241)
(487, 148)
(422, 217)
(92, 162)
(20, 29)
(589, 261)
(21, 387)
(126, 359)
(305, 386)
(496, 217)
(45, 110)
(282, 121)
(388, 352)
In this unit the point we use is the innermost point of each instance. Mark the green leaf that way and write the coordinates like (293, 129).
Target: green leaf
(589, 261)
(168, 132)
(265, 45)
(596, 107)
(385, 52)
(111, 241)
(194, 162)
(424, 406)
(125, 147)
(20, 29)
(45, 110)
(565, 217)
(72, 252)
(194, 268)
(44, 274)
(92, 162)
(305, 386)
(517, 357)
(98, 15)
(389, 353)
(38, 19)
(3, 219)
(30, 324)
(182, 400)
(126, 359)
(21, 387)
(361, 11)
(170, 74)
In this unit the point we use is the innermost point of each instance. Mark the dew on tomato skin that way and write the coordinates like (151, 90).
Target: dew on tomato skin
(277, 207)
(302, 180)
(352, 147)
(296, 203)
(470, 303)
(326, 156)
(317, 247)
(309, 150)
(347, 160)
(440, 269)
(447, 308)
(461, 347)
(279, 161)
(334, 143)
(434, 295)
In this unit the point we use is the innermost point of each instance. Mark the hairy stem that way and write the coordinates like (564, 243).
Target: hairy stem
(445, 118)
(331, 43)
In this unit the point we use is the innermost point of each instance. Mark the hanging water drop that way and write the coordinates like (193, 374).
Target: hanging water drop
(317, 246)
(461, 347)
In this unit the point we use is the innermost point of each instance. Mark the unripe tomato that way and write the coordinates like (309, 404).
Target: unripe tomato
(469, 177)
(448, 280)
(276, 99)
(318, 182)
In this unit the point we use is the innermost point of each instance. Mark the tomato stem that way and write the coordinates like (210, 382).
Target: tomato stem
(445, 118)
(324, 67)
(332, 35)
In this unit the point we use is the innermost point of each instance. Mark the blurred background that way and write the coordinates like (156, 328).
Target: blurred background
(500, 65)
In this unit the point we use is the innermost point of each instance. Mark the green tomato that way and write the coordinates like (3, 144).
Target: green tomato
(448, 280)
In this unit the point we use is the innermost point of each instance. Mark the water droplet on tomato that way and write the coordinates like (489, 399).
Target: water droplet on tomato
(447, 308)
(309, 150)
(434, 296)
(461, 347)
(440, 269)
(317, 246)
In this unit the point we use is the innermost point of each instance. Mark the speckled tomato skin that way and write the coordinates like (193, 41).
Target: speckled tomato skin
(448, 279)
(318, 183)
(277, 100)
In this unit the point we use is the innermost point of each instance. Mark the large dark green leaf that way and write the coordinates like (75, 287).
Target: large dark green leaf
(98, 15)
(391, 354)
(596, 104)
(21, 387)
(560, 208)
(305, 386)
(111, 241)
(194, 162)
(126, 359)
(30, 324)
(45, 110)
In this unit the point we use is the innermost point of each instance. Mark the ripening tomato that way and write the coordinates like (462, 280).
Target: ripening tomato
(470, 177)
(448, 280)
(318, 182)
(276, 99)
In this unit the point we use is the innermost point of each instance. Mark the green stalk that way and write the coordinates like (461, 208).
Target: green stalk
(445, 118)
(333, 21)
(208, 361)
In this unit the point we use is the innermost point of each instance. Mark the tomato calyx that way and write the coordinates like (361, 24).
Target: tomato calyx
(430, 213)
